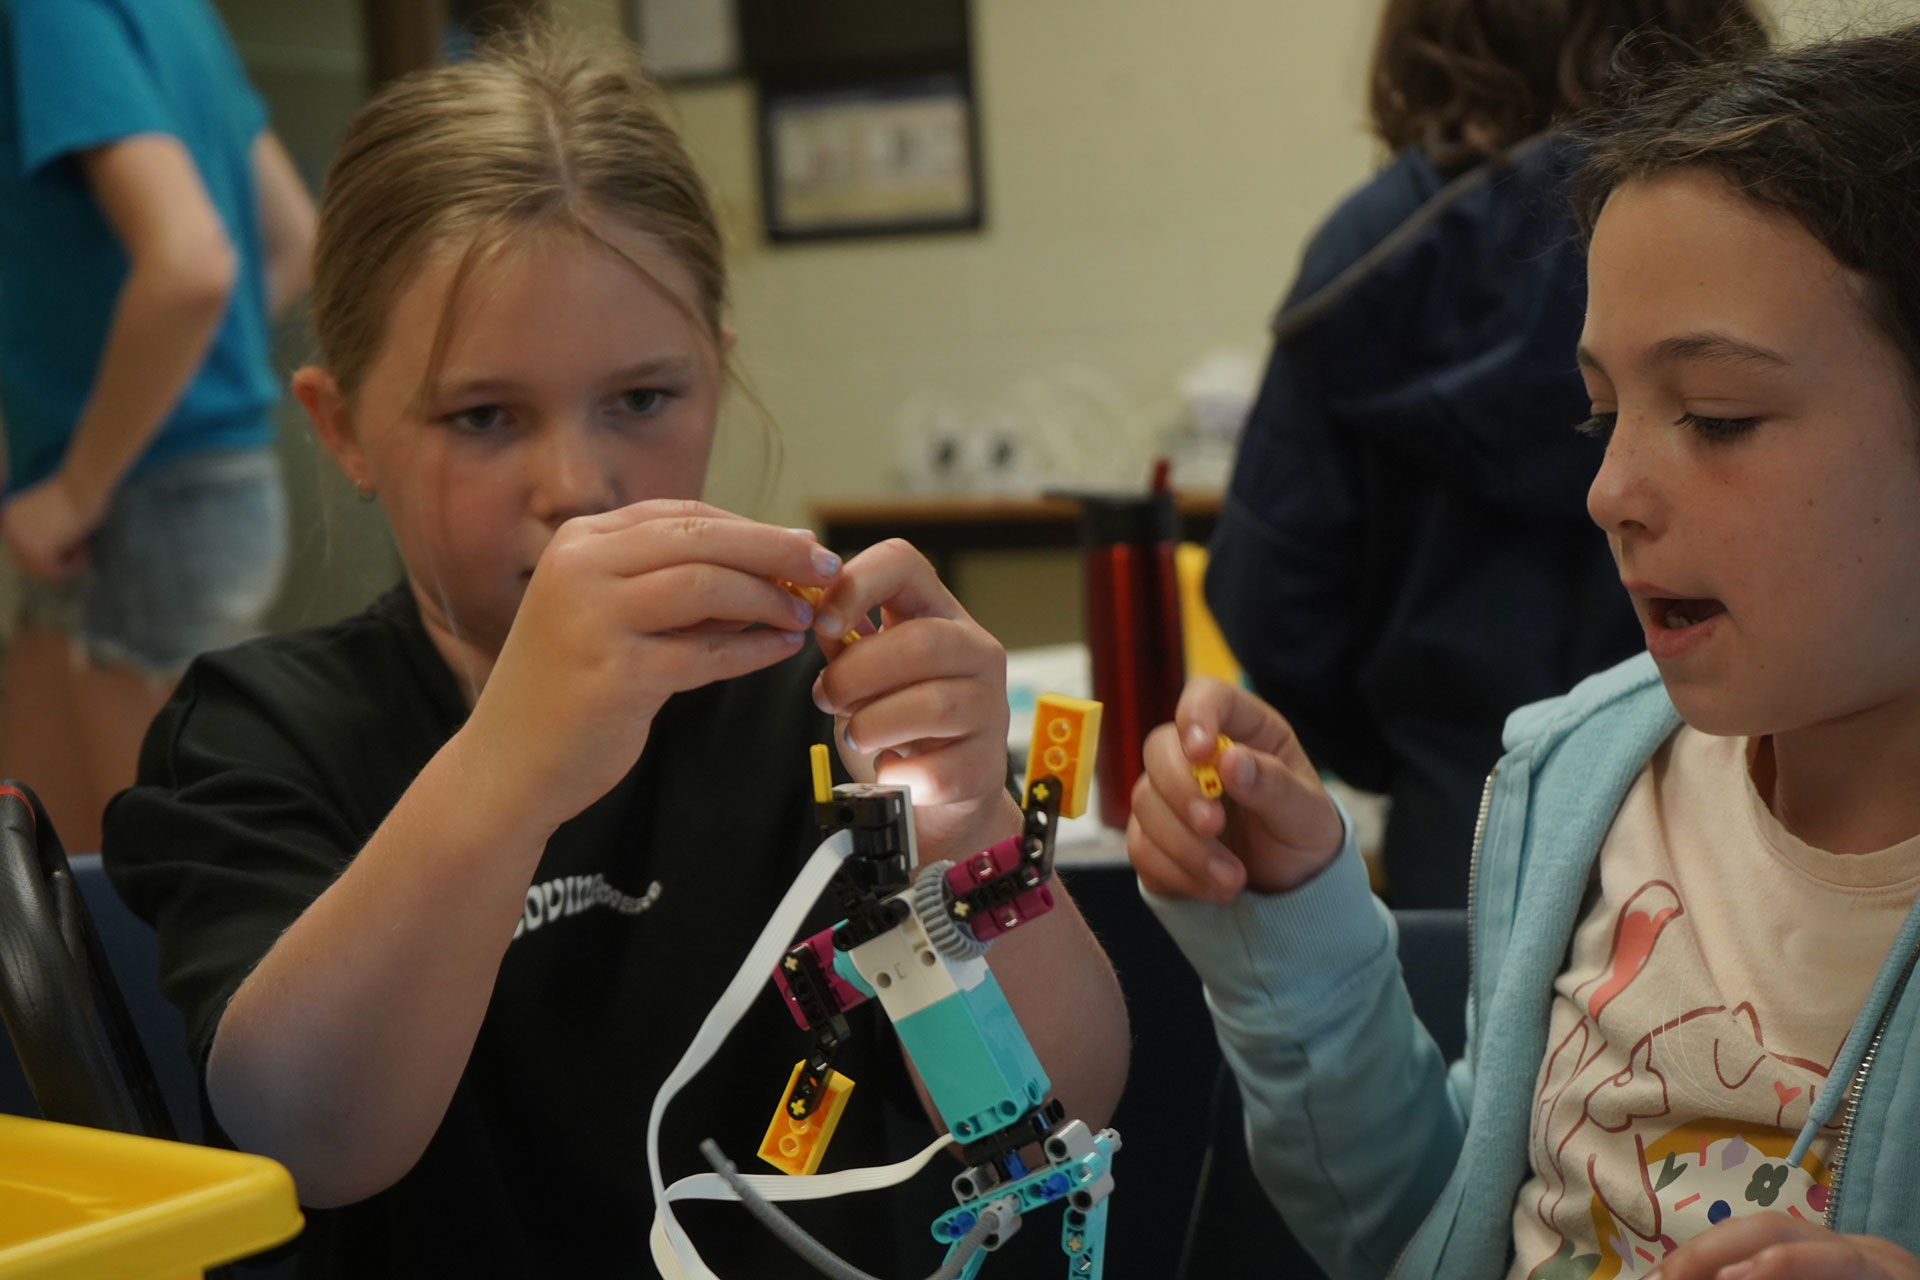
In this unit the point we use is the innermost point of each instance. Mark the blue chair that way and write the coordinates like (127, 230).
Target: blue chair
(1234, 1229)
(133, 954)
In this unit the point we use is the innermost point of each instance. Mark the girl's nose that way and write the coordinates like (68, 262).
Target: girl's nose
(1624, 497)
(571, 477)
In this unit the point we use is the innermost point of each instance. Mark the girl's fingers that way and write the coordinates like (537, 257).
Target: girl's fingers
(892, 576)
(924, 711)
(654, 509)
(622, 544)
(833, 644)
(718, 624)
(1160, 874)
(699, 658)
(1294, 809)
(1734, 1241)
(908, 653)
(1209, 707)
(1170, 859)
(952, 773)
(1167, 820)
(688, 596)
(1835, 1257)
(1166, 766)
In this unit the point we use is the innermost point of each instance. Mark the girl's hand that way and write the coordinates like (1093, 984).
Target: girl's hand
(1275, 828)
(47, 527)
(922, 702)
(1776, 1246)
(625, 609)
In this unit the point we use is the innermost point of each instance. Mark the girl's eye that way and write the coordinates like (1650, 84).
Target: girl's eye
(645, 403)
(1598, 427)
(1717, 428)
(480, 419)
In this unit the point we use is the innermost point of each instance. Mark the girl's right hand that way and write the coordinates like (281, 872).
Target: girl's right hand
(1274, 829)
(625, 609)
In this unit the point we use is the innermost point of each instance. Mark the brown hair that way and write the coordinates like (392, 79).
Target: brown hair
(1467, 79)
(1829, 134)
(541, 130)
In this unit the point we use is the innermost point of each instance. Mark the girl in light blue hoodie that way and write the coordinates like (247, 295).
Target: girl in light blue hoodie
(1693, 1045)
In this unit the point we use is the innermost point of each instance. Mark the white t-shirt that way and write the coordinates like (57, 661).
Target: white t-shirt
(1707, 992)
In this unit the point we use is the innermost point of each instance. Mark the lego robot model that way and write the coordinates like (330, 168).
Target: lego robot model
(916, 942)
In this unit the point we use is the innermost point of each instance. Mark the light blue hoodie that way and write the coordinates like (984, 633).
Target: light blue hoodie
(1383, 1158)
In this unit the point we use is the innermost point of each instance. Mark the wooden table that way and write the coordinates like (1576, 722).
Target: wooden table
(946, 527)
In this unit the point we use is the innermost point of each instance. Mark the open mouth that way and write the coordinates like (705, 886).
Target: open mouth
(1677, 615)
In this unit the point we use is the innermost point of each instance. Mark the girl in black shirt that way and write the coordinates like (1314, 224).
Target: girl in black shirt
(444, 889)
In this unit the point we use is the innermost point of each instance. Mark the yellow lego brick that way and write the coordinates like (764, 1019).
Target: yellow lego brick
(822, 773)
(1207, 775)
(796, 1146)
(1066, 737)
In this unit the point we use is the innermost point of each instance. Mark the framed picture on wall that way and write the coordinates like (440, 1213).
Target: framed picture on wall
(884, 158)
(686, 41)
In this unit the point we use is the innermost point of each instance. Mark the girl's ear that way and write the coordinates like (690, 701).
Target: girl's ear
(728, 336)
(332, 418)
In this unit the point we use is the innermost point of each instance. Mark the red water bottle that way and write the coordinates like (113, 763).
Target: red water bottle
(1133, 631)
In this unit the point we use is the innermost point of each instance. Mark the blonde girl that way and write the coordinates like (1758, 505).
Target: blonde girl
(443, 889)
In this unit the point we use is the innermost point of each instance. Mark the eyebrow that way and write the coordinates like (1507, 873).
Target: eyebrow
(1706, 348)
(675, 366)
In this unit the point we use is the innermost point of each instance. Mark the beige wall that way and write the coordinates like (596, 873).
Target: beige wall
(307, 62)
(1151, 172)
(1809, 19)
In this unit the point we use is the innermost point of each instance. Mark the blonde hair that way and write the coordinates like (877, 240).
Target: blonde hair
(542, 130)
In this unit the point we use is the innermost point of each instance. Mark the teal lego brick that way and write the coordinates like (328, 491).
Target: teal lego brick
(975, 1060)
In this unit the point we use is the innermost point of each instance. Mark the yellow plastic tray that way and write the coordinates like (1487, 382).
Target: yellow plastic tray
(85, 1203)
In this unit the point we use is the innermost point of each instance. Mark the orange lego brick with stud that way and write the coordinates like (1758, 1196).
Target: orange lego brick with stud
(1066, 737)
(1207, 775)
(796, 1146)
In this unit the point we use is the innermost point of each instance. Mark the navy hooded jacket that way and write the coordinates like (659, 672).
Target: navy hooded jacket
(1404, 555)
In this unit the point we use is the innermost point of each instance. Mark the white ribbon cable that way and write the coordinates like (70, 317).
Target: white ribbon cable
(673, 1252)
(776, 1186)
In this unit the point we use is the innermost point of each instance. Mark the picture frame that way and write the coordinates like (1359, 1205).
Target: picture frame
(884, 157)
(687, 41)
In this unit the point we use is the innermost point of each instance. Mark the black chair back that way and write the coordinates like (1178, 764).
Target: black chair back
(71, 1032)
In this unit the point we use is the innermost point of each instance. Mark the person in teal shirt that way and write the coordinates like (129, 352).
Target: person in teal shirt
(151, 228)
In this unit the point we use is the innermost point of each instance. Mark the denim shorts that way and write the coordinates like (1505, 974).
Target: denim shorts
(188, 559)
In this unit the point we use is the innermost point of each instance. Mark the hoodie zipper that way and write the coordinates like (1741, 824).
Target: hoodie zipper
(1473, 882)
(1859, 1083)
(1473, 898)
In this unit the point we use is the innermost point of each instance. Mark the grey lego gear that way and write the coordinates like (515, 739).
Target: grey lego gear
(930, 899)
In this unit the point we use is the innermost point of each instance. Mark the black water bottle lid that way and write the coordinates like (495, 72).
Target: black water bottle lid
(1137, 518)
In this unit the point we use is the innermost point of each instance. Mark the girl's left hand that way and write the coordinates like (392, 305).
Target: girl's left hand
(1776, 1246)
(46, 528)
(920, 703)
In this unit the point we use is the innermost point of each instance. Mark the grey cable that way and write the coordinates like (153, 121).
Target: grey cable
(817, 1255)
